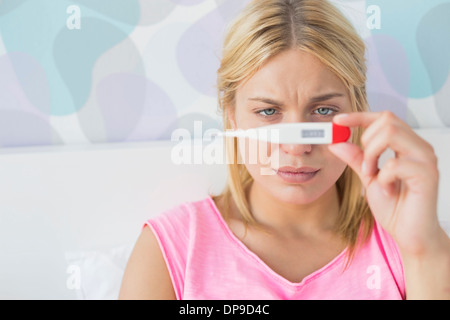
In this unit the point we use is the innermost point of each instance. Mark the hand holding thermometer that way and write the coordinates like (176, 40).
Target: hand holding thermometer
(295, 133)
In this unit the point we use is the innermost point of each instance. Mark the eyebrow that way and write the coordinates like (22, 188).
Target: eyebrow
(323, 97)
(267, 101)
(326, 97)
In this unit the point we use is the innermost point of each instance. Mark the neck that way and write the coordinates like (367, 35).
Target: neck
(291, 218)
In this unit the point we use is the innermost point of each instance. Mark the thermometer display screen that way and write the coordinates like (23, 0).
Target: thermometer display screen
(313, 133)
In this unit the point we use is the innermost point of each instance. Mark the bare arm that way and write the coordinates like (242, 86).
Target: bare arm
(428, 274)
(146, 276)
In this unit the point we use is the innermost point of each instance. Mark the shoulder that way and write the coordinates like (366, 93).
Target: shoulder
(157, 264)
(176, 223)
(146, 275)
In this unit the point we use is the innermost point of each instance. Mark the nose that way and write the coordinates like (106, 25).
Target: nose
(296, 149)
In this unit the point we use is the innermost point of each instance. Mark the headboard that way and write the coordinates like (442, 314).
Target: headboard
(69, 216)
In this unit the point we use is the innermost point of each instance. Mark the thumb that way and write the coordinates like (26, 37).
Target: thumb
(350, 154)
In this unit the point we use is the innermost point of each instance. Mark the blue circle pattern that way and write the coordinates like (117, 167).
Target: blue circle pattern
(49, 71)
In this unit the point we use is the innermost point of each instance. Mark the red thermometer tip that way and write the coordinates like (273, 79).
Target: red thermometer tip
(340, 133)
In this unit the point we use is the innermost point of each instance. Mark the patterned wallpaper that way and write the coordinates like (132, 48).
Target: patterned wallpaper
(100, 71)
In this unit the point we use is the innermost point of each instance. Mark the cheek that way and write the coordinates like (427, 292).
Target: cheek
(333, 166)
(257, 156)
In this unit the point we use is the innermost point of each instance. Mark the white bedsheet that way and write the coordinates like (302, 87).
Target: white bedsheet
(69, 216)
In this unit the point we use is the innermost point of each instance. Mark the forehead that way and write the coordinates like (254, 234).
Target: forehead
(292, 74)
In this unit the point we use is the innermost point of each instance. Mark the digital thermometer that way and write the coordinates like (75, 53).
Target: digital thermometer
(295, 133)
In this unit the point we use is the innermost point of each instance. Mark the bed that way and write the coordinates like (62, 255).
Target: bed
(70, 215)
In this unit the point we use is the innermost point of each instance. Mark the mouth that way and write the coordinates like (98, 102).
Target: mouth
(296, 175)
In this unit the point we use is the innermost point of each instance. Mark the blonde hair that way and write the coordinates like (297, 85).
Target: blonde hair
(264, 29)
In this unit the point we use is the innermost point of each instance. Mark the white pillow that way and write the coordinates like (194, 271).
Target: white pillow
(97, 275)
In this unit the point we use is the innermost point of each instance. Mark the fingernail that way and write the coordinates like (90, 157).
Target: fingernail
(341, 116)
(364, 167)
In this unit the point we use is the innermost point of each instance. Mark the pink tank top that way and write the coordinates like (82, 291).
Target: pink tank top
(207, 261)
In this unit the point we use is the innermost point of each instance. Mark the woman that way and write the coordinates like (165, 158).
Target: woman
(327, 223)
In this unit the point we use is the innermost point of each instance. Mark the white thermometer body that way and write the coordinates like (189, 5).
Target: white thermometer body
(295, 133)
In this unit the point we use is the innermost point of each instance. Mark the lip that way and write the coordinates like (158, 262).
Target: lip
(297, 170)
(297, 175)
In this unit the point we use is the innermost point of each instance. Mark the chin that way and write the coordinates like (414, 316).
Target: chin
(296, 194)
(301, 198)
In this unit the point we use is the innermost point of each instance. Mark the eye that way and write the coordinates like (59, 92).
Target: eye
(267, 112)
(325, 111)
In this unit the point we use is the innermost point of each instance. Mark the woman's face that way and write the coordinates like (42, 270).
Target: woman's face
(293, 86)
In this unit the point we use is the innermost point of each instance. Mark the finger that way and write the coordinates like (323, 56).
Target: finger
(356, 119)
(366, 119)
(404, 142)
(409, 171)
(374, 148)
(388, 178)
(373, 124)
(394, 133)
(382, 123)
(393, 127)
(350, 154)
